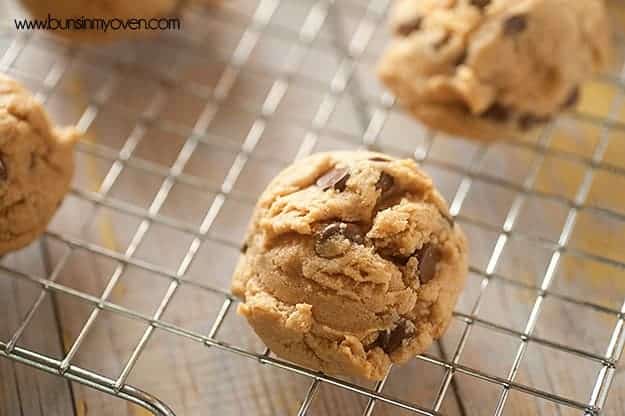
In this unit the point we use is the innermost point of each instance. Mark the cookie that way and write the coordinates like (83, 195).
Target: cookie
(36, 166)
(351, 262)
(490, 69)
(108, 10)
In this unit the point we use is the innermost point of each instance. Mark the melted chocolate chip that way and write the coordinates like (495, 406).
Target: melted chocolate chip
(391, 340)
(335, 178)
(529, 121)
(244, 248)
(413, 25)
(480, 4)
(497, 112)
(4, 174)
(514, 25)
(385, 184)
(572, 99)
(327, 243)
(379, 159)
(428, 256)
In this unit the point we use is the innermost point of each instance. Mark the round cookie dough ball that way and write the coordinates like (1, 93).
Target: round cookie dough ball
(102, 9)
(489, 69)
(352, 262)
(36, 166)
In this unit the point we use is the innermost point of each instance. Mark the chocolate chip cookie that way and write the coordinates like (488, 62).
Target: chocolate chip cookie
(490, 69)
(36, 166)
(351, 262)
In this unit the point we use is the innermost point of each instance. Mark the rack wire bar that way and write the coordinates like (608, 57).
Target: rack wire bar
(88, 378)
(265, 359)
(345, 30)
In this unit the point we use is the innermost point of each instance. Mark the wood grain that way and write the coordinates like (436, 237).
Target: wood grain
(24, 391)
(196, 380)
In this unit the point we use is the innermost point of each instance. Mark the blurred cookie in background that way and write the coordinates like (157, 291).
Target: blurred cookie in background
(36, 166)
(491, 69)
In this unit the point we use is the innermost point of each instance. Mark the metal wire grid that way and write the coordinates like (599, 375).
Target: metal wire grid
(349, 48)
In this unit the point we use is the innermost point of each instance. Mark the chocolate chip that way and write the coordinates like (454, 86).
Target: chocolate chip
(385, 184)
(497, 112)
(381, 341)
(572, 99)
(397, 260)
(335, 178)
(330, 230)
(529, 121)
(514, 25)
(421, 265)
(4, 174)
(391, 340)
(461, 58)
(328, 240)
(342, 184)
(480, 4)
(396, 337)
(379, 159)
(244, 248)
(428, 256)
(442, 41)
(353, 233)
(413, 25)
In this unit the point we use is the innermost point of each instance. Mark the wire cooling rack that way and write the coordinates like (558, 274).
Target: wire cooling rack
(183, 132)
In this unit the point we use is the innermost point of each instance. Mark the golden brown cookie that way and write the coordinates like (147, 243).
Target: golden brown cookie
(36, 166)
(491, 69)
(352, 262)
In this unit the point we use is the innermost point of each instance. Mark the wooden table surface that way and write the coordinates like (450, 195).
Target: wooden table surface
(124, 94)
